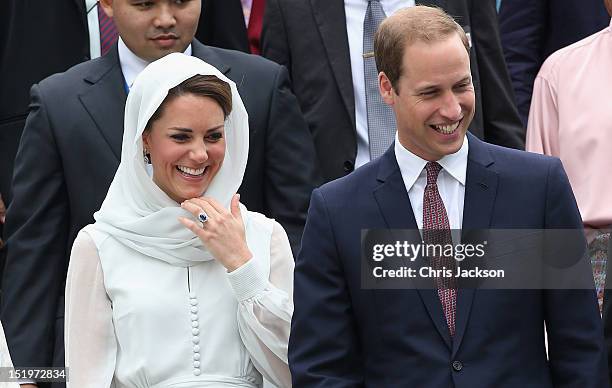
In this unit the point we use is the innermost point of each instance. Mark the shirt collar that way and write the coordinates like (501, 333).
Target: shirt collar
(411, 165)
(132, 65)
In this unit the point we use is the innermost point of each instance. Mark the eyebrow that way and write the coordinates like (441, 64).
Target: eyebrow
(189, 130)
(435, 87)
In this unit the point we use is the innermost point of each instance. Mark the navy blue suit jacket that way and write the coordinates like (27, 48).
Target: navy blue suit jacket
(531, 30)
(343, 335)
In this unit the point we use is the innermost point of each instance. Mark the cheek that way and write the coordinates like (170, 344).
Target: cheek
(167, 155)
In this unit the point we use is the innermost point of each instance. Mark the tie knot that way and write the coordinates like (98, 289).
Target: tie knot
(433, 169)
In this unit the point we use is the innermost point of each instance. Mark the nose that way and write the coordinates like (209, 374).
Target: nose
(165, 18)
(199, 153)
(450, 108)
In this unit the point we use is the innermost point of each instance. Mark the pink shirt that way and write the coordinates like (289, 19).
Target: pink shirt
(571, 118)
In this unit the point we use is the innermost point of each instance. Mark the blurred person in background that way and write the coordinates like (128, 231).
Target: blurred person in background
(327, 47)
(531, 30)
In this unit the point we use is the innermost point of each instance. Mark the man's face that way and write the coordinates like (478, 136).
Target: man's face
(152, 29)
(434, 103)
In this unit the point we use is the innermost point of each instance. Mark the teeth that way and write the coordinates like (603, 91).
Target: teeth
(447, 129)
(191, 171)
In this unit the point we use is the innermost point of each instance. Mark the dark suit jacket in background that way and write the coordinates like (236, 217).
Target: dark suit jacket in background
(67, 158)
(310, 38)
(344, 335)
(222, 25)
(531, 30)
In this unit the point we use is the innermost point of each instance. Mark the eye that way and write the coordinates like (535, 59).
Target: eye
(180, 137)
(215, 137)
(428, 93)
(463, 86)
(144, 4)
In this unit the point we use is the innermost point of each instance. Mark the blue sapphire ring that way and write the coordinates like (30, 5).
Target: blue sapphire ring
(202, 217)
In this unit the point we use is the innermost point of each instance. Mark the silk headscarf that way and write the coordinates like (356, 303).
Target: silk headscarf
(136, 211)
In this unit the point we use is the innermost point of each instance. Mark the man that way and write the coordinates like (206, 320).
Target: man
(70, 150)
(570, 118)
(434, 175)
(322, 44)
(531, 30)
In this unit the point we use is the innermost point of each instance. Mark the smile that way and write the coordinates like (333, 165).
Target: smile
(193, 172)
(447, 129)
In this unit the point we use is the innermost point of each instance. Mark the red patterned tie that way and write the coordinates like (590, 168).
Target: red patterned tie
(436, 230)
(108, 32)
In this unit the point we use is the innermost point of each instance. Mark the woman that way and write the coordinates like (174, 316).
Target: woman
(169, 287)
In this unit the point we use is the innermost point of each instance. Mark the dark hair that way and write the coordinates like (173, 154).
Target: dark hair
(201, 86)
(406, 26)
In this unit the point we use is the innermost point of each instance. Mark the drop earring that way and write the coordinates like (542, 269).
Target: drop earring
(147, 156)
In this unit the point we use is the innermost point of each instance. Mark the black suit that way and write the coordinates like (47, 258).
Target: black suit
(310, 38)
(68, 155)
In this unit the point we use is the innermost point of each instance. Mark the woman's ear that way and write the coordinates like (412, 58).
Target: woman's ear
(145, 140)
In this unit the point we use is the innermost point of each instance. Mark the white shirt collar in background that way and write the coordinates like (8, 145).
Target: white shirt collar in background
(132, 65)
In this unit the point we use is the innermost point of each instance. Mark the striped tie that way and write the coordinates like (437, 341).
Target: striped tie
(108, 32)
(436, 230)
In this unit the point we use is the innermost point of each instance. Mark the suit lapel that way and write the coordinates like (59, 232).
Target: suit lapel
(394, 204)
(331, 21)
(209, 56)
(80, 5)
(105, 99)
(480, 193)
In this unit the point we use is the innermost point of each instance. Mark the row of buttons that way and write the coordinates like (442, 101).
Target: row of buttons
(195, 331)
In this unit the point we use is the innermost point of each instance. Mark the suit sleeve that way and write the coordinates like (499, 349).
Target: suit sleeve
(323, 345)
(291, 172)
(37, 235)
(274, 43)
(502, 124)
(576, 353)
(521, 27)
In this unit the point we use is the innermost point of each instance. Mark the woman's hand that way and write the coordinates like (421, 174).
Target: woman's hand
(222, 233)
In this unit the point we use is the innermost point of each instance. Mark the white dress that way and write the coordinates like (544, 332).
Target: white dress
(133, 321)
(5, 359)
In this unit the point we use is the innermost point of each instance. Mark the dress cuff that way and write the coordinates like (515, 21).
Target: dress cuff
(248, 280)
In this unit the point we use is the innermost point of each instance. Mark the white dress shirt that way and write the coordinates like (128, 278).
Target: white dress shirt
(132, 65)
(451, 182)
(355, 11)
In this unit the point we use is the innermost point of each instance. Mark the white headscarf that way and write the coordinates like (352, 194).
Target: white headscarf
(136, 211)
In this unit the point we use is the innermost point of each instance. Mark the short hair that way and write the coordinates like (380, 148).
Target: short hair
(406, 26)
(200, 86)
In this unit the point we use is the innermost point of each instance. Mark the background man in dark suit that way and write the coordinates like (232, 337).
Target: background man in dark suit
(70, 150)
(436, 178)
(40, 38)
(310, 38)
(531, 30)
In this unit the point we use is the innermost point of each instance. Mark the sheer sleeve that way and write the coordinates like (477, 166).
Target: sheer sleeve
(89, 334)
(265, 309)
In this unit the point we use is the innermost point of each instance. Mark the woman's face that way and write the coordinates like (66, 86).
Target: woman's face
(187, 146)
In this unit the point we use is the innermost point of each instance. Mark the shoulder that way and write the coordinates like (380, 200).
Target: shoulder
(350, 189)
(70, 80)
(249, 63)
(85, 251)
(562, 58)
(522, 165)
